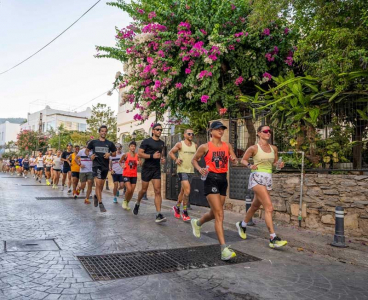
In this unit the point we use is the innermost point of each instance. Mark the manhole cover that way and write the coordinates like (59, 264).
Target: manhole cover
(31, 245)
(230, 236)
(58, 198)
(125, 265)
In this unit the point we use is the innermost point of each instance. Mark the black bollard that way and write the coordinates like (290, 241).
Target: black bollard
(248, 204)
(339, 237)
(107, 186)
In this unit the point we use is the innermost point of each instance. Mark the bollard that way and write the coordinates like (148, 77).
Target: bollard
(107, 186)
(248, 204)
(339, 237)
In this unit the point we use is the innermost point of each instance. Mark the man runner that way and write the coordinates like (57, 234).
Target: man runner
(216, 155)
(75, 169)
(151, 150)
(117, 172)
(66, 167)
(86, 174)
(102, 150)
(186, 150)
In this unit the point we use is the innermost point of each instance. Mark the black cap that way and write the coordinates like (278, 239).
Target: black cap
(217, 125)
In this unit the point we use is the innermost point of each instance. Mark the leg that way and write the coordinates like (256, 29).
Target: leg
(185, 186)
(115, 189)
(69, 179)
(64, 179)
(264, 198)
(158, 198)
(180, 196)
(253, 208)
(99, 187)
(129, 191)
(89, 188)
(142, 191)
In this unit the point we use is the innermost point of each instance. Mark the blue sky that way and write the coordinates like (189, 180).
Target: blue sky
(65, 72)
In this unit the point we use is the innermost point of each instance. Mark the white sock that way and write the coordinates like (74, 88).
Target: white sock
(244, 224)
(272, 235)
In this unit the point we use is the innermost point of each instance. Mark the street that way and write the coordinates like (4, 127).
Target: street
(81, 230)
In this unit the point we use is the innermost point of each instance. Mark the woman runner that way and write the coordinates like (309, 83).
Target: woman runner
(56, 163)
(25, 163)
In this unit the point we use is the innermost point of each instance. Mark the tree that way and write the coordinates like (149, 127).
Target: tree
(102, 115)
(29, 140)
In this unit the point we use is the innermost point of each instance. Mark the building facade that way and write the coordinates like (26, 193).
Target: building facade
(8, 133)
(48, 118)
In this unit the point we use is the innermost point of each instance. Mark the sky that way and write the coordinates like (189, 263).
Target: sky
(65, 74)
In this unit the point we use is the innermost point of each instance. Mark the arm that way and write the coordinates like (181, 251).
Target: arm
(282, 164)
(174, 150)
(141, 154)
(122, 158)
(197, 156)
(110, 165)
(248, 154)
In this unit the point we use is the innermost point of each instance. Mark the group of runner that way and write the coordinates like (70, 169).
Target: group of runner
(91, 164)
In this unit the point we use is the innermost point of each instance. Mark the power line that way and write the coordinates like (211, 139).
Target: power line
(51, 41)
(104, 93)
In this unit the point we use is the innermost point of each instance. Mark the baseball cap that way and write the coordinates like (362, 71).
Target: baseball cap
(217, 125)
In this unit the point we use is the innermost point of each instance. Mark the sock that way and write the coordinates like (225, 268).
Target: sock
(185, 207)
(223, 247)
(199, 223)
(158, 213)
(243, 224)
(272, 235)
(137, 203)
(178, 204)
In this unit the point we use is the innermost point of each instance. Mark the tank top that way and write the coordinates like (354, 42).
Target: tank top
(264, 160)
(39, 162)
(48, 160)
(131, 163)
(26, 163)
(217, 158)
(186, 154)
(57, 163)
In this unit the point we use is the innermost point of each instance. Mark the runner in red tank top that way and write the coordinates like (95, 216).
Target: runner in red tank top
(216, 155)
(131, 162)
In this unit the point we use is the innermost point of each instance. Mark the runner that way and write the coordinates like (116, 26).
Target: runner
(260, 181)
(186, 150)
(40, 164)
(151, 150)
(56, 166)
(86, 174)
(2, 164)
(66, 167)
(117, 172)
(12, 165)
(216, 155)
(131, 163)
(102, 150)
(75, 168)
(25, 163)
(32, 164)
(48, 164)
(20, 165)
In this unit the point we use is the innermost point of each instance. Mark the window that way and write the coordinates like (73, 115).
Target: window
(51, 125)
(82, 127)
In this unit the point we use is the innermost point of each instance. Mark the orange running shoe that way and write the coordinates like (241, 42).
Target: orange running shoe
(185, 216)
(86, 201)
(77, 191)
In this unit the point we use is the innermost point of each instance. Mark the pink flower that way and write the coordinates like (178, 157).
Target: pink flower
(188, 71)
(203, 31)
(179, 86)
(198, 45)
(152, 15)
(152, 124)
(239, 34)
(267, 75)
(269, 57)
(239, 80)
(233, 6)
(276, 49)
(286, 30)
(150, 60)
(141, 11)
(266, 31)
(289, 61)
(238, 40)
(212, 57)
(161, 53)
(185, 25)
(231, 47)
(204, 98)
(185, 58)
(157, 84)
(162, 105)
(191, 64)
(223, 111)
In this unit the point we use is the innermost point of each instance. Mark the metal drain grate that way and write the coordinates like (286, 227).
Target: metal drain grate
(230, 236)
(133, 264)
(58, 198)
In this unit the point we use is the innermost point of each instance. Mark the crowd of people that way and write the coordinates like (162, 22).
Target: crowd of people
(90, 165)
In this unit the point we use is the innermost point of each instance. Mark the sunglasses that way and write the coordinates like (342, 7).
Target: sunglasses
(190, 134)
(267, 131)
(158, 129)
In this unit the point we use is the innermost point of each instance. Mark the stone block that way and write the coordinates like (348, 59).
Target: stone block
(331, 192)
(314, 191)
(328, 219)
(361, 177)
(282, 217)
(351, 221)
(295, 210)
(363, 225)
(310, 199)
(279, 204)
(348, 183)
(312, 211)
(293, 180)
(320, 180)
(312, 221)
(346, 198)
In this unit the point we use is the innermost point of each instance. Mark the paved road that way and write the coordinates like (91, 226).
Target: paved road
(82, 230)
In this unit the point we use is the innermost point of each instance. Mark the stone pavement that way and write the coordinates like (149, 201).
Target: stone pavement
(82, 230)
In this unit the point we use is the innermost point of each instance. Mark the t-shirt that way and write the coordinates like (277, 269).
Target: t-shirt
(12, 162)
(32, 161)
(86, 161)
(48, 160)
(66, 155)
(57, 163)
(151, 146)
(20, 160)
(100, 148)
(115, 166)
(39, 161)
(25, 163)
(74, 167)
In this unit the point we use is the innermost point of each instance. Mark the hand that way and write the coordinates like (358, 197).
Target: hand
(234, 160)
(93, 156)
(253, 167)
(82, 166)
(163, 160)
(69, 162)
(178, 161)
(106, 155)
(157, 155)
(203, 171)
(281, 165)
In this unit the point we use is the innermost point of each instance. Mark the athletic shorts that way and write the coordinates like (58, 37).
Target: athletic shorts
(132, 180)
(186, 176)
(149, 174)
(57, 170)
(39, 168)
(83, 177)
(66, 169)
(48, 169)
(215, 183)
(75, 174)
(26, 169)
(117, 177)
(260, 178)
(32, 167)
(100, 173)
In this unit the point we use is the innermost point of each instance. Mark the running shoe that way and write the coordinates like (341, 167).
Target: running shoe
(86, 201)
(126, 205)
(69, 191)
(62, 188)
(160, 218)
(136, 209)
(56, 187)
(117, 193)
(47, 182)
(185, 217)
(277, 242)
(95, 201)
(227, 253)
(102, 207)
(241, 230)
(196, 228)
(176, 211)
(75, 196)
(36, 178)
(115, 200)
(39, 181)
(77, 191)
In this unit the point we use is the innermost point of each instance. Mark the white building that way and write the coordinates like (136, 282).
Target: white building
(8, 132)
(52, 118)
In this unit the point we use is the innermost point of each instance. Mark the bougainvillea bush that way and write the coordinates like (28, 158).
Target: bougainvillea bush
(195, 55)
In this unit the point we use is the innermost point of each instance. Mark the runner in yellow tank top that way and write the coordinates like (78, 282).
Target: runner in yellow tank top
(186, 150)
(265, 156)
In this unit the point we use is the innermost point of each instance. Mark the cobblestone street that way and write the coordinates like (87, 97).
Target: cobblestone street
(79, 229)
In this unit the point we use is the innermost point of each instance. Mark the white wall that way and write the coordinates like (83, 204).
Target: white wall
(8, 132)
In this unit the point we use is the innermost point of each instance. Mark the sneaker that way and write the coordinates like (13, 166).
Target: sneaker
(241, 230)
(77, 191)
(47, 182)
(39, 181)
(36, 178)
(227, 253)
(95, 201)
(86, 201)
(185, 217)
(196, 228)
(125, 205)
(160, 218)
(102, 207)
(75, 196)
(176, 211)
(277, 242)
(136, 209)
(56, 187)
(117, 193)
(69, 191)
(115, 200)
(62, 188)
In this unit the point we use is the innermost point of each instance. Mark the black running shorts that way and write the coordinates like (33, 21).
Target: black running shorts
(215, 183)
(132, 180)
(66, 169)
(149, 174)
(75, 174)
(48, 169)
(117, 177)
(100, 173)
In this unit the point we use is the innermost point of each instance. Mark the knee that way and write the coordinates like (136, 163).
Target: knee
(157, 191)
(268, 208)
(255, 206)
(219, 215)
